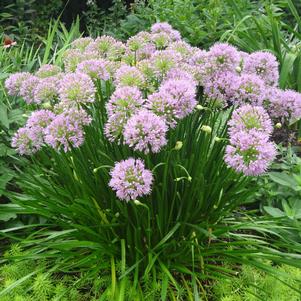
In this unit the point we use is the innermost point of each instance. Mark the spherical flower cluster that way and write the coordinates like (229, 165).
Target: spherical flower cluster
(250, 153)
(162, 61)
(180, 73)
(184, 93)
(130, 179)
(114, 126)
(162, 104)
(81, 43)
(165, 27)
(250, 150)
(107, 47)
(222, 57)
(46, 90)
(220, 88)
(27, 140)
(76, 88)
(28, 87)
(161, 40)
(64, 132)
(71, 58)
(248, 118)
(145, 132)
(284, 103)
(13, 82)
(183, 48)
(96, 69)
(40, 118)
(249, 89)
(129, 76)
(263, 64)
(48, 70)
(125, 100)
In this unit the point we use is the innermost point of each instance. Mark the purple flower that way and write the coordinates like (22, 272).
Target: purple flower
(263, 64)
(81, 43)
(107, 47)
(248, 118)
(125, 100)
(48, 70)
(165, 106)
(249, 89)
(222, 57)
(130, 179)
(47, 90)
(129, 76)
(184, 93)
(165, 27)
(63, 132)
(72, 57)
(164, 60)
(284, 103)
(28, 141)
(183, 48)
(250, 153)
(76, 88)
(145, 132)
(96, 69)
(115, 125)
(180, 73)
(40, 118)
(161, 39)
(28, 88)
(220, 88)
(13, 82)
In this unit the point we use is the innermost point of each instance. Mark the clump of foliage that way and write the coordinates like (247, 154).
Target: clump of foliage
(140, 154)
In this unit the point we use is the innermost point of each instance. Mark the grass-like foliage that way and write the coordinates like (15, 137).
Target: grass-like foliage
(178, 218)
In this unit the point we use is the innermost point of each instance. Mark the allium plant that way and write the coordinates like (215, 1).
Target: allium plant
(143, 167)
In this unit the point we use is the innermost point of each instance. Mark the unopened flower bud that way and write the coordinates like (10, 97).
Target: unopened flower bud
(217, 139)
(294, 49)
(137, 202)
(206, 129)
(189, 179)
(238, 69)
(117, 214)
(200, 107)
(278, 125)
(179, 145)
(47, 105)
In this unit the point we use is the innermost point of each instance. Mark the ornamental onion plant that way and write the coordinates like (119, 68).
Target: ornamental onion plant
(144, 153)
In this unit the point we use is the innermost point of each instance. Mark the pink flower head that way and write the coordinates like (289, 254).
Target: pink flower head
(130, 179)
(145, 132)
(222, 57)
(76, 88)
(125, 100)
(284, 103)
(48, 70)
(264, 65)
(13, 82)
(28, 87)
(184, 93)
(40, 118)
(47, 90)
(129, 76)
(249, 89)
(248, 118)
(96, 69)
(64, 132)
(28, 141)
(165, 27)
(250, 153)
